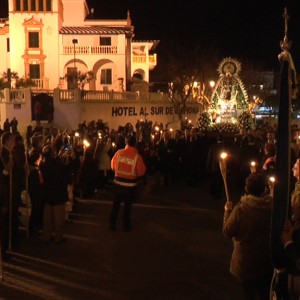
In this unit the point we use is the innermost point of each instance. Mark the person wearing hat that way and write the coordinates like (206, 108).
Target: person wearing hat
(128, 166)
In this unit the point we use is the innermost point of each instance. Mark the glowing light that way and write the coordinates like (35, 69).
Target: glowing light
(223, 155)
(272, 179)
(253, 163)
(76, 134)
(212, 84)
(156, 128)
(86, 143)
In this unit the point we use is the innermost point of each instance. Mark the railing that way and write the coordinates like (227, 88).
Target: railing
(17, 96)
(101, 96)
(85, 50)
(41, 83)
(143, 59)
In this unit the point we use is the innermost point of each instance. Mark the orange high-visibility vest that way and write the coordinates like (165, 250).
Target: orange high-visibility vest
(125, 172)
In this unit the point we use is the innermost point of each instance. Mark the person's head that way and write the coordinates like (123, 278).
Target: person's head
(47, 152)
(256, 184)
(34, 157)
(8, 140)
(296, 169)
(131, 140)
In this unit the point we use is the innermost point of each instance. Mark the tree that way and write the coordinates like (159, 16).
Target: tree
(79, 79)
(181, 66)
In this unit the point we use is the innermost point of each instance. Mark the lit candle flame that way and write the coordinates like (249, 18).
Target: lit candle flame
(76, 134)
(223, 155)
(272, 179)
(86, 143)
(252, 163)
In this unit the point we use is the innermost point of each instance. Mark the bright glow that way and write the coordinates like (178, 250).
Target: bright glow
(190, 121)
(76, 134)
(86, 143)
(272, 179)
(195, 84)
(212, 84)
(171, 129)
(156, 128)
(113, 144)
(223, 155)
(218, 120)
(99, 135)
(252, 163)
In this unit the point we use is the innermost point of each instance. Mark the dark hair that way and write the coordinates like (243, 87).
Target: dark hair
(5, 137)
(33, 156)
(131, 140)
(256, 184)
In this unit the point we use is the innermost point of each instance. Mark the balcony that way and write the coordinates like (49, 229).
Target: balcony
(151, 60)
(41, 83)
(90, 50)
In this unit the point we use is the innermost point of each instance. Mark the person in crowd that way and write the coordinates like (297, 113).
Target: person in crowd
(248, 224)
(6, 125)
(102, 150)
(55, 182)
(37, 112)
(167, 155)
(269, 160)
(291, 242)
(14, 125)
(6, 189)
(213, 168)
(128, 166)
(35, 189)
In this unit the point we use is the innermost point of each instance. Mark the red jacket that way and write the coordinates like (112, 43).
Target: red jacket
(128, 166)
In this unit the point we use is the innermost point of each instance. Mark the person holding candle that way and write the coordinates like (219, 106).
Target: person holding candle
(248, 224)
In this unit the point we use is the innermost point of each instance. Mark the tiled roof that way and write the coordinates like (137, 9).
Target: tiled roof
(93, 30)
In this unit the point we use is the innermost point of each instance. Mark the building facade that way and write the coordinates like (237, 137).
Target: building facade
(48, 41)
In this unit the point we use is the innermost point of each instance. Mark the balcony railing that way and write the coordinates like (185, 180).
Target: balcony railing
(41, 83)
(87, 50)
(101, 96)
(142, 59)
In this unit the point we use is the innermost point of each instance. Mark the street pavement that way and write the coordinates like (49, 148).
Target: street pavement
(175, 251)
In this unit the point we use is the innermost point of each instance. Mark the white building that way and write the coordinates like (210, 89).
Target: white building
(46, 39)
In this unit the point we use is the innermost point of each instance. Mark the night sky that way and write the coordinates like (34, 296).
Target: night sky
(247, 30)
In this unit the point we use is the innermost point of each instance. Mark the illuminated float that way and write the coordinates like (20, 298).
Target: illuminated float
(229, 103)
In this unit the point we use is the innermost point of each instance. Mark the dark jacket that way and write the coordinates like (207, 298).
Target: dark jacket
(55, 176)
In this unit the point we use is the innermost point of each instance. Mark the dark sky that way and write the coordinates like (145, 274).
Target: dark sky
(249, 30)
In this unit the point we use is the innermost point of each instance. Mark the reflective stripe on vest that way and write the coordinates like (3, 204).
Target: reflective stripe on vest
(131, 181)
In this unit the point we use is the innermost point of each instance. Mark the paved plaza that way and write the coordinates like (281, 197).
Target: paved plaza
(175, 250)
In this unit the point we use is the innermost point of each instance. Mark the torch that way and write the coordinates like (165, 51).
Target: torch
(223, 168)
(271, 185)
(253, 166)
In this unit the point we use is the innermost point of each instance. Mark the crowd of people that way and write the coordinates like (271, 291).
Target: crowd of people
(54, 166)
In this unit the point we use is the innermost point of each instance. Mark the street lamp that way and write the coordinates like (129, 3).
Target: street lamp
(74, 41)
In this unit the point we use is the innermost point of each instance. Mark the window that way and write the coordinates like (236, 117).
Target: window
(18, 5)
(7, 45)
(33, 5)
(105, 41)
(72, 78)
(34, 71)
(41, 5)
(106, 76)
(25, 3)
(33, 40)
(48, 5)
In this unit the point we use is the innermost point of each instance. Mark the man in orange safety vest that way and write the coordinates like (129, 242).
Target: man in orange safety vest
(128, 166)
